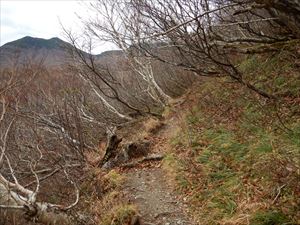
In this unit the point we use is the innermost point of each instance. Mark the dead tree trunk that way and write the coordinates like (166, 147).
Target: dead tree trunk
(113, 142)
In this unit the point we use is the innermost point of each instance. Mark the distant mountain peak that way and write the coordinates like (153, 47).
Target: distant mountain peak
(29, 42)
(53, 50)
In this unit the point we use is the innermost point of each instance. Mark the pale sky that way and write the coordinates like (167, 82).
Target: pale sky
(40, 18)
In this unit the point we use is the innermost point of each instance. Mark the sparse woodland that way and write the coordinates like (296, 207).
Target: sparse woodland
(221, 78)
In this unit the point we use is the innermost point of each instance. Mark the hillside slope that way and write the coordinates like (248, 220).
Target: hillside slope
(230, 156)
(234, 163)
(234, 154)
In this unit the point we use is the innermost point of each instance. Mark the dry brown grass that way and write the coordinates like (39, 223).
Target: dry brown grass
(105, 200)
(229, 161)
(152, 126)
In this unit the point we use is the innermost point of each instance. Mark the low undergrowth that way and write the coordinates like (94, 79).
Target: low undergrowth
(235, 155)
(104, 199)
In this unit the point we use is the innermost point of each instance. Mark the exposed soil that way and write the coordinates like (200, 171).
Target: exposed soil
(148, 188)
(157, 204)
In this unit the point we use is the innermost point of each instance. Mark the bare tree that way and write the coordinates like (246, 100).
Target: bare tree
(110, 86)
(28, 158)
(108, 31)
(199, 35)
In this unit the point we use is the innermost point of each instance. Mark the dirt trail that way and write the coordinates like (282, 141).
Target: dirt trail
(157, 204)
(148, 188)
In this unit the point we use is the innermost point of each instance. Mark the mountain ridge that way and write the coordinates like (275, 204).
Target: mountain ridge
(52, 50)
(35, 42)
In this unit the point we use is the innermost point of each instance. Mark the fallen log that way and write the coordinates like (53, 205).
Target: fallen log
(149, 158)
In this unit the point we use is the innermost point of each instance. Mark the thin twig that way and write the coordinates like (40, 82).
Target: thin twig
(278, 193)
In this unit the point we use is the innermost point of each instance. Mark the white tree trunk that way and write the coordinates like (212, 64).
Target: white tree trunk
(166, 98)
(104, 101)
(144, 69)
(36, 211)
